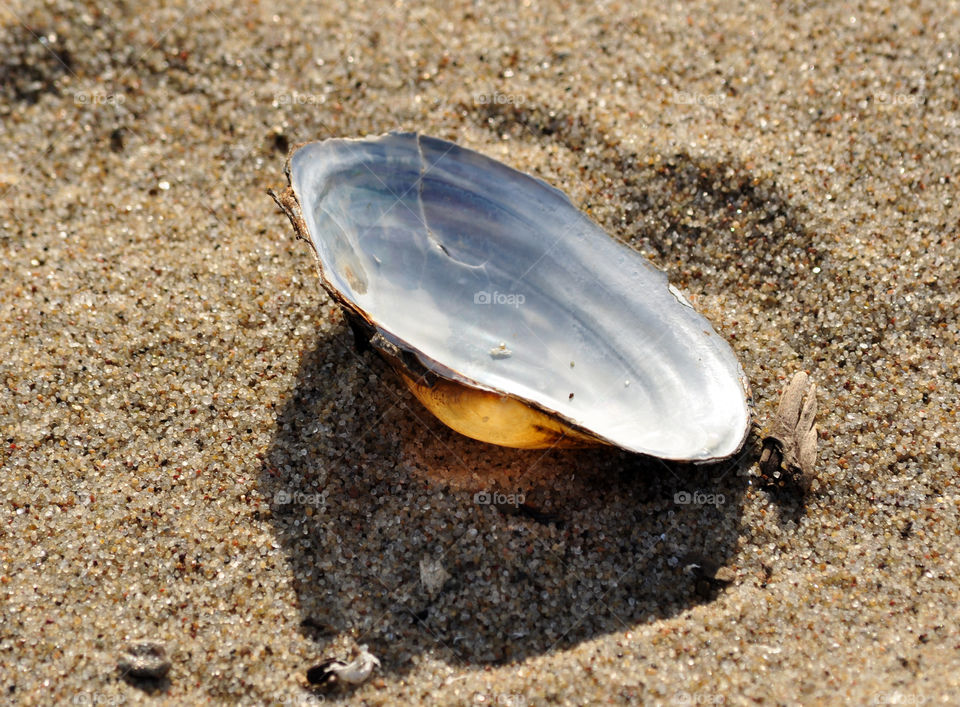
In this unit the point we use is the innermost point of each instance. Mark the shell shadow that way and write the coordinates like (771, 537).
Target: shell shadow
(30, 68)
(365, 485)
(370, 485)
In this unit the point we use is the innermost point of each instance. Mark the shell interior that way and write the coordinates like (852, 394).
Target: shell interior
(493, 278)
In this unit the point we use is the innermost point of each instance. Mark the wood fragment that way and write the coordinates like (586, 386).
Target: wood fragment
(790, 450)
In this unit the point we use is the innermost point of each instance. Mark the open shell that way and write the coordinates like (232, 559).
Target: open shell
(509, 313)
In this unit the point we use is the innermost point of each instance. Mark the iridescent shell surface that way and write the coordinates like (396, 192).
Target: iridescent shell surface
(493, 295)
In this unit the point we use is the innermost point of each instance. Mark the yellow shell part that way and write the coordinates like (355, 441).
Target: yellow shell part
(497, 419)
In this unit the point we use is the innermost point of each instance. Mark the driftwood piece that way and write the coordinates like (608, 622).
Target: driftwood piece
(790, 449)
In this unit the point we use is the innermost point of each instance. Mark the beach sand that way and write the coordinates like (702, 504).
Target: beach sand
(193, 453)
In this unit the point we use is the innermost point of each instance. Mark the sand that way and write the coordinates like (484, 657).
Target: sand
(193, 453)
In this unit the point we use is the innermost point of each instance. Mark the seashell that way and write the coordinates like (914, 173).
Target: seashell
(509, 314)
(334, 670)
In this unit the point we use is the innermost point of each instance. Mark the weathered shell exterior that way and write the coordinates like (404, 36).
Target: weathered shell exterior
(509, 313)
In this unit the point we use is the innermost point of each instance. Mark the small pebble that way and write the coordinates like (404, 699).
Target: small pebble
(432, 576)
(145, 660)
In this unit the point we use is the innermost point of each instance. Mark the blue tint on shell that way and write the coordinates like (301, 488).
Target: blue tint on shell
(457, 256)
